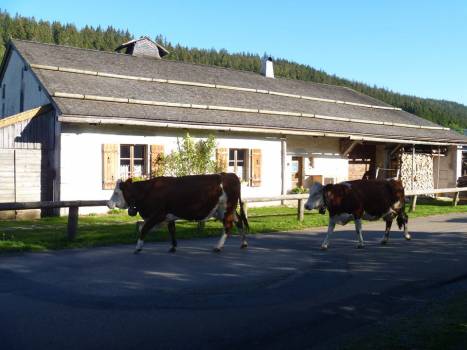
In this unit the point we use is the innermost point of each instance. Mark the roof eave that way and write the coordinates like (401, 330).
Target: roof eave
(70, 118)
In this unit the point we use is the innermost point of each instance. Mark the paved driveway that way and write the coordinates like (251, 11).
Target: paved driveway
(282, 292)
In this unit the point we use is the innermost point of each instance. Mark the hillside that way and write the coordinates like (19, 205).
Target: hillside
(446, 113)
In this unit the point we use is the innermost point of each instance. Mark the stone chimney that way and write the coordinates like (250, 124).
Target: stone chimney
(267, 68)
(143, 47)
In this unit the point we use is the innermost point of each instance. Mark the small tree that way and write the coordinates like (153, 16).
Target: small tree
(190, 158)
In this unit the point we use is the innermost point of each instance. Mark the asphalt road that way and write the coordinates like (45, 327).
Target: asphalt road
(280, 293)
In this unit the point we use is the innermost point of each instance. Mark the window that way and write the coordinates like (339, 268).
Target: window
(133, 161)
(238, 163)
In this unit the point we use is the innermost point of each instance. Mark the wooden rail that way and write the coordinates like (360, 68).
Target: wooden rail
(415, 193)
(73, 212)
(301, 198)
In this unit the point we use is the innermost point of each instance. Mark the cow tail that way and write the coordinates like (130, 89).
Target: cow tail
(242, 215)
(402, 217)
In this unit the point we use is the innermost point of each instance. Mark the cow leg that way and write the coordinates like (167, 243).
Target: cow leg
(171, 227)
(228, 224)
(386, 232)
(147, 226)
(331, 227)
(358, 228)
(241, 230)
(403, 221)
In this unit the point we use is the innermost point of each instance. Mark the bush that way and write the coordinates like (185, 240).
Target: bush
(191, 158)
(299, 190)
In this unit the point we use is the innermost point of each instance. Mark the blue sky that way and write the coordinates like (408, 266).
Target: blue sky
(413, 47)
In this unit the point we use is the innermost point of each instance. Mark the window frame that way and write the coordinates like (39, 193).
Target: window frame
(131, 159)
(246, 163)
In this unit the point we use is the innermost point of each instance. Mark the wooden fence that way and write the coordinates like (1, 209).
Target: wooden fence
(73, 212)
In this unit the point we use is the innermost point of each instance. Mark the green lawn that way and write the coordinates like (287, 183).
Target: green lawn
(116, 228)
(440, 326)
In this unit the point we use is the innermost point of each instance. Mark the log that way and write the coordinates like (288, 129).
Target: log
(300, 210)
(72, 228)
(413, 204)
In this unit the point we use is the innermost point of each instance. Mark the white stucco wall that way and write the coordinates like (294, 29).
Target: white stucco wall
(325, 152)
(34, 96)
(81, 158)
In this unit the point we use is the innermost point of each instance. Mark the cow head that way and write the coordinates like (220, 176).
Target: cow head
(119, 198)
(315, 199)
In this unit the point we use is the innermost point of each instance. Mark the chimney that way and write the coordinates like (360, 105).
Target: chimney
(143, 47)
(267, 68)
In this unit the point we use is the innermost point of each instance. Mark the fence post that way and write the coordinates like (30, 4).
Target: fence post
(300, 210)
(72, 222)
(413, 204)
(245, 209)
(455, 199)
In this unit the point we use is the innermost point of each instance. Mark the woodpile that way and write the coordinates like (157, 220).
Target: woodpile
(422, 174)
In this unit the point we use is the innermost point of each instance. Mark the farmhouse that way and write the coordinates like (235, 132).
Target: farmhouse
(76, 120)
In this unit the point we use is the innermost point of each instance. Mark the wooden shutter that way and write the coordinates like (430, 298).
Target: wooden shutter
(255, 167)
(157, 153)
(109, 166)
(222, 158)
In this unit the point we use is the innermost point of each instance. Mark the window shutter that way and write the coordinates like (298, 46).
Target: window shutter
(109, 166)
(222, 155)
(255, 167)
(157, 152)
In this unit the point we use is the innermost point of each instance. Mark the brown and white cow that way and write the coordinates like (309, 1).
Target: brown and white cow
(197, 197)
(357, 200)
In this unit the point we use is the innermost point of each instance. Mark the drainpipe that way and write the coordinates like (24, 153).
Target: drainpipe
(413, 163)
(283, 166)
(439, 160)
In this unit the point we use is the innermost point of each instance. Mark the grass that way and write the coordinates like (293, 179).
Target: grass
(119, 228)
(437, 326)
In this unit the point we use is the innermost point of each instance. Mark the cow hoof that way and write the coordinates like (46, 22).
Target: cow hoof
(244, 245)
(408, 238)
(324, 247)
(384, 241)
(137, 251)
(360, 246)
(217, 250)
(172, 250)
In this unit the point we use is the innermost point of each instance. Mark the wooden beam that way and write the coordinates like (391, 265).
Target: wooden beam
(350, 148)
(26, 115)
(46, 205)
(216, 86)
(395, 150)
(230, 108)
(72, 227)
(413, 203)
(301, 210)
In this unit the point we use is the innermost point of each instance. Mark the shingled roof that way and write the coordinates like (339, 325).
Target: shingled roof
(89, 85)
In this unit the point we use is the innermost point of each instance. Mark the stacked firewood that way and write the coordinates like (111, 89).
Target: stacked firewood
(422, 174)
